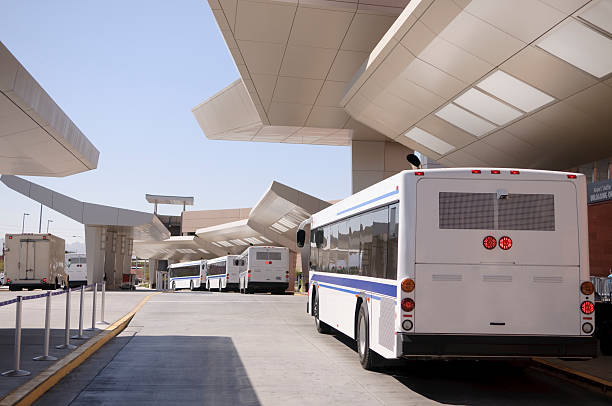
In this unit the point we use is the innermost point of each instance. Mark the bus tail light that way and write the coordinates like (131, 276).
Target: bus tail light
(515, 172)
(407, 325)
(287, 275)
(587, 288)
(249, 273)
(476, 171)
(407, 304)
(495, 172)
(587, 328)
(44, 280)
(505, 243)
(587, 307)
(407, 285)
(419, 173)
(489, 242)
(571, 176)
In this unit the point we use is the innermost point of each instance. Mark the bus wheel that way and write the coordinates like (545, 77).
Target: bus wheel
(220, 287)
(321, 327)
(367, 357)
(173, 286)
(191, 286)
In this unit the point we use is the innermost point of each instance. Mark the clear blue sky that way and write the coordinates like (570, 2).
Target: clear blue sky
(128, 73)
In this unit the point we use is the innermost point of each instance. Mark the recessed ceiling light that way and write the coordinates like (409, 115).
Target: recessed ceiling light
(580, 46)
(465, 120)
(487, 107)
(430, 141)
(600, 15)
(514, 91)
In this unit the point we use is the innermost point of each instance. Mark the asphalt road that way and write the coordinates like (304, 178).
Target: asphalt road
(230, 349)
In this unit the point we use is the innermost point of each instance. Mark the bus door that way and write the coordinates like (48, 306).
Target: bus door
(497, 257)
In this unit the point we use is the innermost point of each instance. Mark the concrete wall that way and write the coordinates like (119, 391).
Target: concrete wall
(373, 161)
(192, 220)
(600, 238)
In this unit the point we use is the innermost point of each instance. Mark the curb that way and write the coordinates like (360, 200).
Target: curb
(27, 393)
(604, 385)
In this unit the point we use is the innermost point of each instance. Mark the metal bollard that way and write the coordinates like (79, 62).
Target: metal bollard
(102, 321)
(16, 371)
(81, 336)
(67, 344)
(93, 311)
(46, 356)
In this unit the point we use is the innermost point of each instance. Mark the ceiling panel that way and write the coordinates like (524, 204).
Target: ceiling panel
(330, 117)
(297, 90)
(266, 21)
(365, 31)
(262, 57)
(288, 113)
(346, 64)
(331, 93)
(331, 27)
(264, 86)
(229, 8)
(307, 62)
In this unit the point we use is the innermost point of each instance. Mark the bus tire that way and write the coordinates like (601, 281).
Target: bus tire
(173, 286)
(191, 286)
(322, 328)
(605, 340)
(367, 357)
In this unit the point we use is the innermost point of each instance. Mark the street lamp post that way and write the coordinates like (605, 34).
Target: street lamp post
(23, 222)
(48, 221)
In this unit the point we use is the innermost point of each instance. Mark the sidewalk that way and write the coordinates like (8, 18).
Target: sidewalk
(597, 371)
(33, 321)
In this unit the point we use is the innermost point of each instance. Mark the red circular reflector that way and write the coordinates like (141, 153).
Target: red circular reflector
(505, 243)
(489, 242)
(407, 304)
(586, 307)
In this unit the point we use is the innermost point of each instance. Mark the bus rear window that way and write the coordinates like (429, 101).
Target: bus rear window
(484, 211)
(264, 256)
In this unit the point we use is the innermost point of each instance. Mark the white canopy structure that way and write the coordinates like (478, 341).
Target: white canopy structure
(36, 137)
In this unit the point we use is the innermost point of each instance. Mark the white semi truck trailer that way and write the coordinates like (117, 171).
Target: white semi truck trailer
(34, 261)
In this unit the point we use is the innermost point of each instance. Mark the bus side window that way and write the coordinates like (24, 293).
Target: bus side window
(380, 229)
(324, 250)
(333, 248)
(343, 247)
(314, 251)
(354, 245)
(367, 224)
(393, 240)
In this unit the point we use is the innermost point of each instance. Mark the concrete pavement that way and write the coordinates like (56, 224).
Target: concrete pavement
(229, 349)
(33, 321)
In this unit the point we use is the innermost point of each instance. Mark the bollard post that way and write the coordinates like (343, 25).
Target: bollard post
(16, 371)
(46, 356)
(93, 311)
(67, 344)
(81, 336)
(103, 304)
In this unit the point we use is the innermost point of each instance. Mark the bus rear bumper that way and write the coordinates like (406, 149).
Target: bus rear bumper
(267, 286)
(468, 346)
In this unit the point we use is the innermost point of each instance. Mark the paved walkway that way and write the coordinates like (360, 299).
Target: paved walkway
(33, 321)
(600, 367)
(231, 349)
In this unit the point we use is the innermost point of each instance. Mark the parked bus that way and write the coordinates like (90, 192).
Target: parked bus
(455, 263)
(222, 273)
(76, 268)
(187, 275)
(264, 269)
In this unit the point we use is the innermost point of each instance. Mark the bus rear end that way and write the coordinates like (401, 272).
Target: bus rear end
(500, 266)
(268, 269)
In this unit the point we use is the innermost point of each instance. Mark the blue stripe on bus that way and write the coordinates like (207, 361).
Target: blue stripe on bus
(340, 289)
(186, 277)
(216, 276)
(369, 286)
(369, 201)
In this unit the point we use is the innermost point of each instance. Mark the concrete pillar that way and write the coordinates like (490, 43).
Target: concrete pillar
(373, 161)
(292, 265)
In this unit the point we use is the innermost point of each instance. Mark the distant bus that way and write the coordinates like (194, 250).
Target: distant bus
(76, 268)
(222, 273)
(264, 269)
(187, 275)
(453, 263)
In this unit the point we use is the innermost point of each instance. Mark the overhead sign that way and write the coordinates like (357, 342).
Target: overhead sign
(599, 191)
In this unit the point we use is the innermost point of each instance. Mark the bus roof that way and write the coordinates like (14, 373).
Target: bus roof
(190, 263)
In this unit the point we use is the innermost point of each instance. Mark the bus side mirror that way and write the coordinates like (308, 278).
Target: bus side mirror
(301, 238)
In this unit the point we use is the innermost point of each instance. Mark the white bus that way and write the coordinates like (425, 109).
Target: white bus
(76, 268)
(455, 263)
(264, 269)
(187, 275)
(222, 273)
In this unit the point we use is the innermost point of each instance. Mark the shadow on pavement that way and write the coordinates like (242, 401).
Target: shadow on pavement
(160, 370)
(485, 382)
